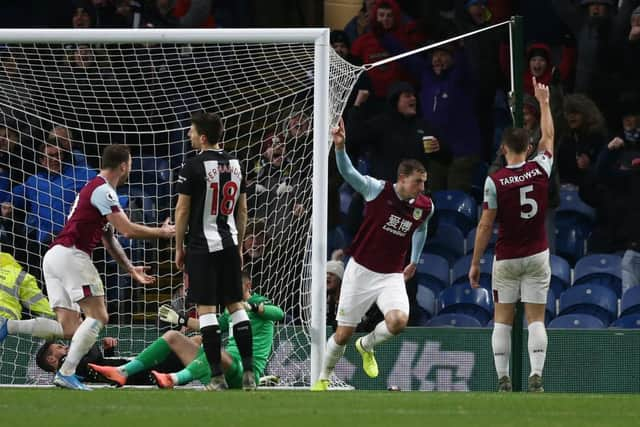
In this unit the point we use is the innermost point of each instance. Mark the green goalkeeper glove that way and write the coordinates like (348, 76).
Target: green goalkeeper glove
(169, 315)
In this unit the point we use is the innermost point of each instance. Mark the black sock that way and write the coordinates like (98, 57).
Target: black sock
(211, 342)
(244, 340)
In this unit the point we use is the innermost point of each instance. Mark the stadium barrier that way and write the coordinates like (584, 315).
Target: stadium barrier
(430, 359)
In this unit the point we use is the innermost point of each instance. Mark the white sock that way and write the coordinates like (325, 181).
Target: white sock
(537, 347)
(379, 335)
(332, 354)
(501, 344)
(38, 327)
(83, 339)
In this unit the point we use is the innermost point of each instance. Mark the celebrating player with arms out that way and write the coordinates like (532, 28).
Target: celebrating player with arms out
(212, 204)
(516, 196)
(72, 281)
(395, 216)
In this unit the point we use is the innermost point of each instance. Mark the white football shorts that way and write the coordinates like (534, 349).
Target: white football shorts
(69, 275)
(362, 287)
(524, 278)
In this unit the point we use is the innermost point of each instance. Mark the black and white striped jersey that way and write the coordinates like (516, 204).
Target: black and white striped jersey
(214, 180)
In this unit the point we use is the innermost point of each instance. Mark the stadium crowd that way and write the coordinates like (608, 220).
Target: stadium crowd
(587, 51)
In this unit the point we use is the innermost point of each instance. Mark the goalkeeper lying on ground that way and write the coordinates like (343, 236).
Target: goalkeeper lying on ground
(262, 316)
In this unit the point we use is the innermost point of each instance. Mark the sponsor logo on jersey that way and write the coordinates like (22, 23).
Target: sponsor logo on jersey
(398, 226)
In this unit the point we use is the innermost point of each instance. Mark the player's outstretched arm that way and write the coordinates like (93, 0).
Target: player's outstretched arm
(365, 185)
(546, 121)
(114, 248)
(132, 230)
(241, 216)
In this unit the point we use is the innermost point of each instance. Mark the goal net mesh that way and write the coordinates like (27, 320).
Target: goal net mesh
(61, 104)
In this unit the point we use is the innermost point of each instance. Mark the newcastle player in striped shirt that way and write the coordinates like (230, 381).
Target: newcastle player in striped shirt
(212, 208)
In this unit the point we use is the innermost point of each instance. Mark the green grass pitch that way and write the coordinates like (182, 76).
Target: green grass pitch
(180, 408)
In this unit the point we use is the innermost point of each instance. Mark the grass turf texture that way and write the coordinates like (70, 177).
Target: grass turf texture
(120, 408)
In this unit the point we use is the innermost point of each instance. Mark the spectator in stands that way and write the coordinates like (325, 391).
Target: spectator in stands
(541, 67)
(12, 234)
(448, 106)
(483, 54)
(579, 146)
(64, 138)
(16, 160)
(342, 46)
(359, 24)
(594, 25)
(385, 18)
(335, 271)
(179, 13)
(83, 14)
(623, 185)
(253, 251)
(47, 196)
(627, 45)
(393, 135)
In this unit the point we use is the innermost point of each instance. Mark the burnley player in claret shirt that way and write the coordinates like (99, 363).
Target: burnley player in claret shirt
(72, 281)
(396, 217)
(516, 197)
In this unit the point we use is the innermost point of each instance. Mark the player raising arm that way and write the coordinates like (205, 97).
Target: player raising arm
(72, 281)
(516, 196)
(396, 217)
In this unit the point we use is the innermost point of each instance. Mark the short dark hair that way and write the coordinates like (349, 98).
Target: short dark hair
(409, 166)
(209, 125)
(114, 155)
(516, 140)
(41, 357)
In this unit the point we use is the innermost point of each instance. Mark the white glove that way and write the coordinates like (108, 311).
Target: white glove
(169, 315)
(283, 188)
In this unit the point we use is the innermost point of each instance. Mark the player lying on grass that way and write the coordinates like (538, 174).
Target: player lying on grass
(262, 316)
(51, 355)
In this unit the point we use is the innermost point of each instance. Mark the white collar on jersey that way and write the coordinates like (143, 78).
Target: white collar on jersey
(211, 149)
(516, 166)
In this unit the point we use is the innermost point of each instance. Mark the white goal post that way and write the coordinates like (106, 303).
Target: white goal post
(331, 78)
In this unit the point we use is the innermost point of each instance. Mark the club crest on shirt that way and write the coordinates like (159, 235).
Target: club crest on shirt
(417, 213)
(111, 196)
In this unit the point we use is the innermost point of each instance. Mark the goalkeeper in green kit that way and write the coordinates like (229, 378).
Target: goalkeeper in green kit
(262, 315)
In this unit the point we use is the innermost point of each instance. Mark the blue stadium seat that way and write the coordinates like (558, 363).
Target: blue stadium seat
(571, 206)
(460, 271)
(595, 300)
(601, 269)
(471, 241)
(631, 321)
(630, 301)
(447, 242)
(153, 176)
(576, 321)
(433, 272)
(456, 208)
(455, 319)
(466, 300)
(571, 241)
(427, 305)
(560, 275)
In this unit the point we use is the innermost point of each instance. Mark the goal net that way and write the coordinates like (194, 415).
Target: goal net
(62, 100)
